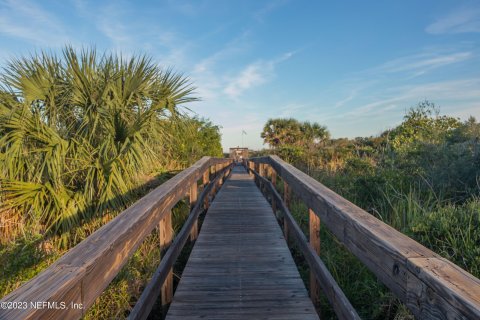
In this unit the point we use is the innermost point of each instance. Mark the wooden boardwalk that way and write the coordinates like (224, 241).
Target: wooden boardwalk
(240, 266)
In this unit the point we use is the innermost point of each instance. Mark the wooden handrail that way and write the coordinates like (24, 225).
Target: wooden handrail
(430, 286)
(152, 290)
(74, 281)
(340, 303)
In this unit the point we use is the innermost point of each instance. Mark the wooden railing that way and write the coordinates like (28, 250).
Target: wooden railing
(429, 285)
(69, 286)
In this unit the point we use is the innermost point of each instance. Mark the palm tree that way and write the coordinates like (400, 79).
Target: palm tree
(278, 132)
(76, 129)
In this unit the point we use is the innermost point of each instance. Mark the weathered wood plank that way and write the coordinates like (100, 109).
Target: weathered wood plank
(240, 266)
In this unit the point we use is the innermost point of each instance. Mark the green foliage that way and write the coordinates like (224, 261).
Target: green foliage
(422, 124)
(194, 139)
(22, 261)
(422, 178)
(76, 130)
(290, 132)
(454, 232)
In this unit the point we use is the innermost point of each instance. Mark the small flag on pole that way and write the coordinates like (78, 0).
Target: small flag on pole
(243, 132)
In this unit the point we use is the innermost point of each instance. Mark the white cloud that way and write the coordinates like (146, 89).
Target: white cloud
(254, 74)
(465, 19)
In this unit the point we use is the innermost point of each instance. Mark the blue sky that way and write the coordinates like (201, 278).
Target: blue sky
(354, 66)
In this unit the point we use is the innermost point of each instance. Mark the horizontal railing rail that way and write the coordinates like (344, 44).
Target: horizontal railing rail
(430, 286)
(67, 288)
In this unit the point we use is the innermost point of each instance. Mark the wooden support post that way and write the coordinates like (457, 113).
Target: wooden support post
(287, 194)
(273, 175)
(166, 236)
(286, 199)
(193, 201)
(206, 180)
(261, 172)
(251, 166)
(274, 178)
(314, 223)
(220, 168)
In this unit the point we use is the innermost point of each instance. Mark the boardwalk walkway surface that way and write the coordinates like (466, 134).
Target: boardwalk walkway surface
(240, 266)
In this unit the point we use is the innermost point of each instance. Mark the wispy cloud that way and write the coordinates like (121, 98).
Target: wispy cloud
(29, 21)
(464, 19)
(347, 99)
(254, 74)
(421, 63)
(400, 97)
(235, 46)
(111, 21)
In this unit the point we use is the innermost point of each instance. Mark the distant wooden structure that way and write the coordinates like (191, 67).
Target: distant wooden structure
(239, 153)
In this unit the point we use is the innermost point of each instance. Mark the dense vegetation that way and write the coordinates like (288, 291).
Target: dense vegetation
(83, 135)
(422, 177)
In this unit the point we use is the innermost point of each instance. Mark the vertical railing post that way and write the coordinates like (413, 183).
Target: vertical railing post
(314, 226)
(261, 172)
(206, 180)
(286, 199)
(193, 201)
(273, 175)
(218, 169)
(251, 165)
(166, 236)
(225, 172)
